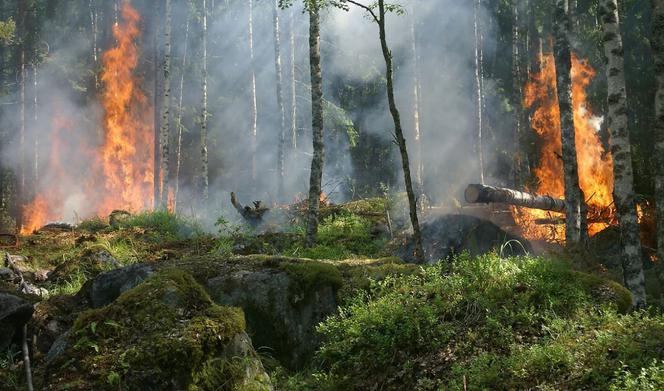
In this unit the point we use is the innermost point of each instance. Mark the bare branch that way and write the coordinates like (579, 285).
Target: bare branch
(366, 8)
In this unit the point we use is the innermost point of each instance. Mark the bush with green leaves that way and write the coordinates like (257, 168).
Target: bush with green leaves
(520, 323)
(163, 224)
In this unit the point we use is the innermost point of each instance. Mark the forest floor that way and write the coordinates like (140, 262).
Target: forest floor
(152, 301)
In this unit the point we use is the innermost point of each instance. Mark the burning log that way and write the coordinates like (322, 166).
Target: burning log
(253, 215)
(476, 193)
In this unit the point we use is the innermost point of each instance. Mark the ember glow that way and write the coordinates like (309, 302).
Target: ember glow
(595, 163)
(120, 174)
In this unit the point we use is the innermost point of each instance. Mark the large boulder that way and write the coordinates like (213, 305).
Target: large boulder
(283, 302)
(164, 334)
(108, 286)
(448, 235)
(14, 313)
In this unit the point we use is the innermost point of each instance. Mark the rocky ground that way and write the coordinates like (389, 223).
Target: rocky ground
(150, 302)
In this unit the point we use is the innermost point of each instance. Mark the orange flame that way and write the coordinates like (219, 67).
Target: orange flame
(595, 163)
(127, 153)
(45, 208)
(121, 175)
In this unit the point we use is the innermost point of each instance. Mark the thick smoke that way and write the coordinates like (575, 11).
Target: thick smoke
(351, 54)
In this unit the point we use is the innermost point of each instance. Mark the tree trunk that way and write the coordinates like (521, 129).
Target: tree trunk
(293, 88)
(517, 94)
(165, 128)
(95, 41)
(478, 82)
(401, 141)
(178, 120)
(204, 181)
(21, 188)
(658, 54)
(316, 123)
(417, 95)
(623, 176)
(35, 113)
(156, 174)
(488, 194)
(254, 105)
(574, 230)
(280, 102)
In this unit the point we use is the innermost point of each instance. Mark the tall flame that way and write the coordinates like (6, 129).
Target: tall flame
(121, 168)
(127, 154)
(595, 163)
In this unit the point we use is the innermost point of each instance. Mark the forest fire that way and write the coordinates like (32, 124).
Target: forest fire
(121, 167)
(595, 163)
(126, 156)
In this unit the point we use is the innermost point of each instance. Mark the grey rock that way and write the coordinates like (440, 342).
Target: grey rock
(59, 346)
(108, 286)
(448, 235)
(6, 274)
(14, 313)
(280, 320)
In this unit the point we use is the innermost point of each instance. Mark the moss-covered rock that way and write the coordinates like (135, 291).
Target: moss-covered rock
(91, 263)
(283, 300)
(164, 334)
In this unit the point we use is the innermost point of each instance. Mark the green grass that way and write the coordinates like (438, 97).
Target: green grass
(162, 224)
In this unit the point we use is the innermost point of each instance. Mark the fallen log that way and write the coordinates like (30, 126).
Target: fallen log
(476, 193)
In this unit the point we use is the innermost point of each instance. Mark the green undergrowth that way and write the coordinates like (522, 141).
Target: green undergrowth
(521, 323)
(162, 225)
(164, 333)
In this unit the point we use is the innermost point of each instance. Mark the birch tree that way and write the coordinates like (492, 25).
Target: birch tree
(623, 188)
(478, 85)
(203, 175)
(417, 96)
(252, 88)
(293, 89)
(164, 130)
(658, 54)
(178, 119)
(574, 230)
(280, 101)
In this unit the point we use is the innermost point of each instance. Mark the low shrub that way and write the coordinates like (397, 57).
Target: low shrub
(496, 324)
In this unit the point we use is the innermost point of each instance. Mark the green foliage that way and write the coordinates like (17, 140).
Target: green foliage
(93, 224)
(7, 29)
(341, 236)
(649, 378)
(510, 324)
(163, 225)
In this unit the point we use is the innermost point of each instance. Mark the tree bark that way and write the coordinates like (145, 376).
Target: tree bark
(254, 106)
(317, 162)
(478, 82)
(20, 33)
(178, 120)
(623, 175)
(517, 95)
(658, 54)
(35, 119)
(293, 88)
(476, 193)
(575, 233)
(204, 180)
(156, 174)
(280, 102)
(417, 95)
(165, 127)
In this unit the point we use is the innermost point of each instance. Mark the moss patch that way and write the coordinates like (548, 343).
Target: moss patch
(162, 334)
